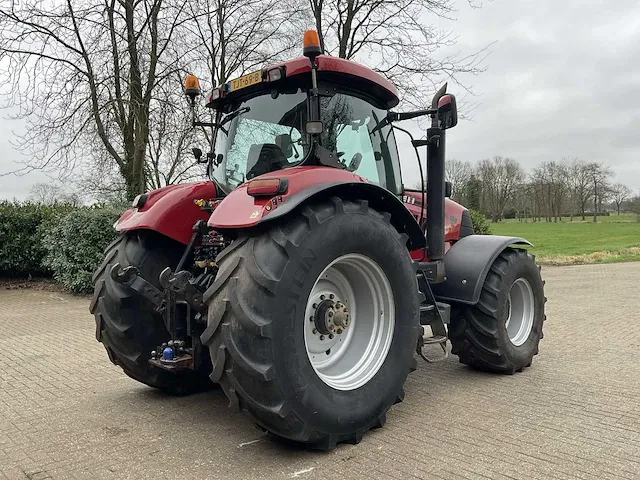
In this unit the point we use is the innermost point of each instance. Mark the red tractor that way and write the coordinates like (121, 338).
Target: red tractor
(301, 277)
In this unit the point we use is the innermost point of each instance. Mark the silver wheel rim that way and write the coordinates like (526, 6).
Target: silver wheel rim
(349, 356)
(521, 312)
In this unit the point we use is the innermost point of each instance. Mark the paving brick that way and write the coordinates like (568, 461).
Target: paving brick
(67, 412)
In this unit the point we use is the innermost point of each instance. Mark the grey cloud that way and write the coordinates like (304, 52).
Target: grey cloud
(563, 80)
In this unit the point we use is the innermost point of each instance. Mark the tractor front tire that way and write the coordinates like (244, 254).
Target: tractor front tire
(272, 294)
(126, 323)
(502, 331)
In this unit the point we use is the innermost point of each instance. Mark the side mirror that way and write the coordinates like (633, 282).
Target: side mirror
(314, 127)
(447, 111)
(448, 189)
(197, 153)
(354, 164)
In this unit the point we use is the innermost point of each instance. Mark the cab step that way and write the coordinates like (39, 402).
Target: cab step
(435, 339)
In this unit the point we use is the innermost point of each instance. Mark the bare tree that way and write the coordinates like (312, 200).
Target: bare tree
(581, 184)
(501, 177)
(598, 175)
(551, 184)
(458, 173)
(87, 72)
(51, 193)
(237, 36)
(394, 34)
(227, 38)
(634, 204)
(100, 80)
(620, 193)
(536, 193)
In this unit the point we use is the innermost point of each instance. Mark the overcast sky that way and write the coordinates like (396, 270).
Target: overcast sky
(562, 80)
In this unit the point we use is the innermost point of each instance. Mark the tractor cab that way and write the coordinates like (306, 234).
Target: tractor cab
(282, 117)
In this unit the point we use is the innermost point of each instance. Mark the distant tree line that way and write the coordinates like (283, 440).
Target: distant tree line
(500, 188)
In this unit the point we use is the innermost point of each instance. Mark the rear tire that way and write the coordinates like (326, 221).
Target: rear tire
(126, 323)
(502, 331)
(257, 330)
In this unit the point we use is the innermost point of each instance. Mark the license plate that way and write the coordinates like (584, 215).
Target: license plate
(245, 81)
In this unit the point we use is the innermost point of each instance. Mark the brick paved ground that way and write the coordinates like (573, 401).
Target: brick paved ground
(66, 412)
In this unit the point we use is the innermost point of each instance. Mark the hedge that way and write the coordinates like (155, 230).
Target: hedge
(68, 242)
(75, 245)
(21, 249)
(481, 224)
(58, 240)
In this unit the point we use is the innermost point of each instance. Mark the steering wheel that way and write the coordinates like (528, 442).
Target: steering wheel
(354, 164)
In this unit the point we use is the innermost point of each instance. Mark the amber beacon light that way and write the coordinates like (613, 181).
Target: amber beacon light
(191, 86)
(311, 43)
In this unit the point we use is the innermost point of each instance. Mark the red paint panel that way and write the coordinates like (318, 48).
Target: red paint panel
(452, 214)
(240, 210)
(170, 210)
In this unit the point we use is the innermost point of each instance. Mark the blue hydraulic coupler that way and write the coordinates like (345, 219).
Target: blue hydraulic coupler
(167, 353)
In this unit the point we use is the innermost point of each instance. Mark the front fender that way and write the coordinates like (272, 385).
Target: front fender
(240, 210)
(467, 264)
(170, 210)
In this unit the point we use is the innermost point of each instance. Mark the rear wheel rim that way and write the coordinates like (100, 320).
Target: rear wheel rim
(349, 356)
(521, 307)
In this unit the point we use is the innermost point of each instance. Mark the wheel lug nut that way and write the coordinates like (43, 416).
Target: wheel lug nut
(331, 314)
(321, 337)
(315, 305)
(315, 331)
(339, 331)
(311, 319)
(331, 296)
(321, 297)
(331, 327)
(331, 336)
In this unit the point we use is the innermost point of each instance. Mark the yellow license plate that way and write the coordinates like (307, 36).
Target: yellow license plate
(245, 81)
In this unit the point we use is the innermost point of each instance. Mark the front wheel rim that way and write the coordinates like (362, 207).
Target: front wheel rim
(521, 306)
(360, 322)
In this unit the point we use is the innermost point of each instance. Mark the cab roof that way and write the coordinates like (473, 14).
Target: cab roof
(341, 71)
(359, 73)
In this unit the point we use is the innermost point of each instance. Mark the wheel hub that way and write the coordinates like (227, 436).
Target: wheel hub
(330, 317)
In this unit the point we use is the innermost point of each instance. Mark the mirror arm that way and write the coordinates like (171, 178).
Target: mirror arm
(204, 124)
(400, 116)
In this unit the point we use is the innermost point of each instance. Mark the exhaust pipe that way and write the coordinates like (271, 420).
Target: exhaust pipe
(435, 195)
(435, 183)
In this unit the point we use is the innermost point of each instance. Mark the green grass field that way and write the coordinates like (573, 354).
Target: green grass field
(612, 239)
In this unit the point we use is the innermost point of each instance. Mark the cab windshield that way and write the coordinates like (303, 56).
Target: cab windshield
(265, 134)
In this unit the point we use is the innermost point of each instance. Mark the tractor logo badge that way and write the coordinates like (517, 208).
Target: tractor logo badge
(255, 214)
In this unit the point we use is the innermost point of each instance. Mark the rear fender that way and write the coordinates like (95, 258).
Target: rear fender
(467, 264)
(241, 211)
(169, 210)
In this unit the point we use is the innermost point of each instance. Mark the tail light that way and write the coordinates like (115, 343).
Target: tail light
(267, 187)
